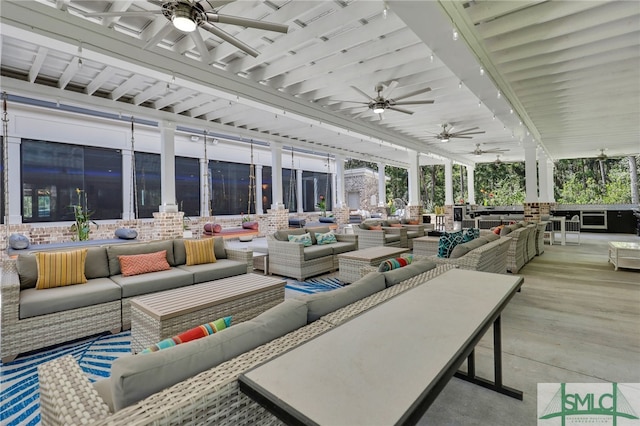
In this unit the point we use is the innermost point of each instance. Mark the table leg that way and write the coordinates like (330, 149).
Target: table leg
(496, 385)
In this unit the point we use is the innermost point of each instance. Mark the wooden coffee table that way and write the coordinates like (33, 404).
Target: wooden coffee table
(351, 263)
(157, 316)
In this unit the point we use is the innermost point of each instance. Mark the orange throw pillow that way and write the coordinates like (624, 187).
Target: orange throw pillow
(497, 229)
(395, 225)
(375, 228)
(137, 264)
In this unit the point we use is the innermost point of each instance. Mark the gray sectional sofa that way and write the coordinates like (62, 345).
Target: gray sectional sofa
(487, 253)
(294, 260)
(61, 314)
(196, 382)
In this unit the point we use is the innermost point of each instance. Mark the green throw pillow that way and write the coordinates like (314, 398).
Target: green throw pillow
(304, 239)
(326, 238)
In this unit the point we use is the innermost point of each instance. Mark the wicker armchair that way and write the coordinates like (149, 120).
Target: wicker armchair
(540, 231)
(387, 236)
(517, 253)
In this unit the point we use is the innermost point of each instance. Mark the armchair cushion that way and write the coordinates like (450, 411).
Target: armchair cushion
(392, 238)
(316, 252)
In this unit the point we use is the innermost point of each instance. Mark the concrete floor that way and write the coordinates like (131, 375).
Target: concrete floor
(576, 320)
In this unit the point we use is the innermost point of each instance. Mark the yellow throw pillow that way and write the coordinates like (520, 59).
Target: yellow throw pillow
(199, 251)
(60, 269)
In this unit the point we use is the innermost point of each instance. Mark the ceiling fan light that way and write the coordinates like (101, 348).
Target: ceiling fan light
(445, 139)
(183, 21)
(378, 108)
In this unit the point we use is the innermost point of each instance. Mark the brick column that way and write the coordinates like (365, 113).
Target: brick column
(534, 211)
(448, 217)
(415, 213)
(342, 215)
(277, 219)
(167, 225)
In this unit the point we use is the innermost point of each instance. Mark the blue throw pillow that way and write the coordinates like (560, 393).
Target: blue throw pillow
(447, 243)
(126, 233)
(470, 234)
(326, 238)
(18, 241)
(304, 239)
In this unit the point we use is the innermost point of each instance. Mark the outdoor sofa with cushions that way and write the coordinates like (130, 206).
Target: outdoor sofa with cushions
(293, 259)
(36, 318)
(196, 382)
(414, 228)
(520, 249)
(487, 253)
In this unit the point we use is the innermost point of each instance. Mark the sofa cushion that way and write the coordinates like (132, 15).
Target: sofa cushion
(316, 252)
(135, 377)
(58, 269)
(464, 248)
(222, 268)
(396, 276)
(391, 238)
(18, 241)
(324, 238)
(199, 251)
(343, 247)
(506, 230)
(190, 335)
(283, 234)
(414, 234)
(153, 281)
(324, 219)
(96, 266)
(320, 304)
(491, 236)
(395, 263)
(113, 251)
(295, 222)
(136, 264)
(41, 302)
(126, 233)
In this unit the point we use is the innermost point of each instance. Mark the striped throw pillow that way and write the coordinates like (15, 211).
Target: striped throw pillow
(396, 263)
(137, 264)
(189, 335)
(199, 251)
(60, 269)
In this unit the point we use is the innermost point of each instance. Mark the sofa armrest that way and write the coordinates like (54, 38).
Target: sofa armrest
(285, 251)
(347, 238)
(10, 292)
(241, 255)
(66, 394)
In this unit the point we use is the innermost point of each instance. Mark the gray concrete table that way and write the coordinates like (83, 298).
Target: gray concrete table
(387, 365)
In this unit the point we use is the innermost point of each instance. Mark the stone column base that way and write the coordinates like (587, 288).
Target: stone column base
(276, 219)
(534, 211)
(414, 212)
(341, 215)
(167, 225)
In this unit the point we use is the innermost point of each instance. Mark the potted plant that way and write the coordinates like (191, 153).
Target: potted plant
(322, 205)
(82, 215)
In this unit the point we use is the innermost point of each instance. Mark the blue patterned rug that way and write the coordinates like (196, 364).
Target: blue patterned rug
(19, 394)
(315, 285)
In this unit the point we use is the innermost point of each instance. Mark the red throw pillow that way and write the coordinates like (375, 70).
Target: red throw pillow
(375, 227)
(497, 229)
(414, 222)
(250, 225)
(211, 228)
(137, 264)
(395, 225)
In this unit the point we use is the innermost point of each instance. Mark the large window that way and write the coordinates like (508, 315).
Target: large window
(314, 186)
(188, 185)
(53, 173)
(229, 188)
(148, 187)
(267, 185)
(289, 190)
(2, 194)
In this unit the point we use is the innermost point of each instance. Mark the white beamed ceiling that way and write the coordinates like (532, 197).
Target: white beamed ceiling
(564, 75)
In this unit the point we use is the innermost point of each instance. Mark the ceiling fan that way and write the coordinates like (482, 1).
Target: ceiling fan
(497, 161)
(383, 102)
(479, 151)
(602, 156)
(447, 133)
(188, 15)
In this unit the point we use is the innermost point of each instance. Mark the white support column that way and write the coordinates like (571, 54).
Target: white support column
(530, 173)
(551, 181)
(471, 185)
(128, 208)
(13, 169)
(204, 188)
(543, 176)
(382, 186)
(339, 186)
(259, 209)
(448, 183)
(413, 177)
(276, 176)
(168, 167)
(300, 208)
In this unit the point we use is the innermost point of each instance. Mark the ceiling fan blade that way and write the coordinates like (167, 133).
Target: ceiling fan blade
(230, 39)
(404, 111)
(425, 102)
(362, 93)
(115, 14)
(214, 4)
(467, 133)
(352, 102)
(390, 89)
(494, 151)
(465, 130)
(414, 93)
(460, 137)
(360, 114)
(247, 22)
(201, 46)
